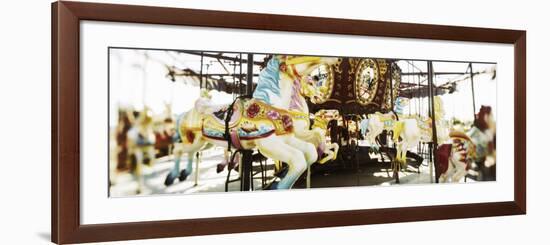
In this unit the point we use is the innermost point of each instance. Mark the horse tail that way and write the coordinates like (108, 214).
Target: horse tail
(397, 130)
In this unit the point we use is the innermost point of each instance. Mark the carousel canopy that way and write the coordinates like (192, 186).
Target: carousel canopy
(353, 86)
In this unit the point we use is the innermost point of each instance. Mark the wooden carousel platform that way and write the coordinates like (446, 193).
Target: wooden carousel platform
(368, 172)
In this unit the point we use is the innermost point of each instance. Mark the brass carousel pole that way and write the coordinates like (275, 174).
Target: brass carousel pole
(241, 74)
(473, 96)
(246, 161)
(198, 155)
(200, 75)
(391, 84)
(472, 83)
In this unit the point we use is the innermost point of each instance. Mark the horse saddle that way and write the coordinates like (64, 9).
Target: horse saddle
(220, 113)
(250, 119)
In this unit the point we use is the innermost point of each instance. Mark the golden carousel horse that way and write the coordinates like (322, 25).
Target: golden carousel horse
(272, 121)
(318, 138)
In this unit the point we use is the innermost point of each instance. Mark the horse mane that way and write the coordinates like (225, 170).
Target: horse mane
(268, 82)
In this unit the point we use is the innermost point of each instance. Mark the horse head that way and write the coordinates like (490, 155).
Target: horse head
(302, 67)
(284, 81)
(297, 67)
(321, 120)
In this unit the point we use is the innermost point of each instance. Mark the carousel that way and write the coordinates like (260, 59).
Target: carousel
(263, 122)
(375, 115)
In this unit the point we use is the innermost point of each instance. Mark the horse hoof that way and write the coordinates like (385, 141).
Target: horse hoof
(281, 174)
(169, 179)
(272, 186)
(236, 167)
(183, 175)
(219, 168)
(231, 165)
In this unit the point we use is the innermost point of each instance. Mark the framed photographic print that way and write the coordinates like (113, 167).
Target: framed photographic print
(177, 122)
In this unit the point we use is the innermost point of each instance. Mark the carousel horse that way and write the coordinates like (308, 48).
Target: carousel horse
(317, 136)
(125, 122)
(165, 133)
(476, 145)
(408, 130)
(483, 135)
(378, 122)
(452, 158)
(141, 144)
(267, 122)
(403, 128)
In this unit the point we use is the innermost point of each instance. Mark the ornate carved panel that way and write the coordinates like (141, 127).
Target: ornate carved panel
(367, 76)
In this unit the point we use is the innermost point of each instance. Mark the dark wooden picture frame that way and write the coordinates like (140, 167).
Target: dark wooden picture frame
(65, 175)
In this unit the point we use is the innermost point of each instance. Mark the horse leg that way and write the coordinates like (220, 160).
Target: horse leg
(274, 147)
(331, 151)
(173, 174)
(336, 148)
(450, 171)
(225, 161)
(139, 170)
(329, 156)
(309, 151)
(179, 149)
(399, 152)
(199, 156)
(188, 170)
(404, 158)
(460, 171)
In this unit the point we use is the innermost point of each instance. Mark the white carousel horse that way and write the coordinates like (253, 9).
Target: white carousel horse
(141, 144)
(304, 87)
(408, 131)
(476, 145)
(405, 129)
(266, 122)
(317, 134)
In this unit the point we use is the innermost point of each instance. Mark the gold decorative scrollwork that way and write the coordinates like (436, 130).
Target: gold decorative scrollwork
(366, 81)
(323, 79)
(383, 66)
(336, 67)
(353, 63)
(392, 89)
